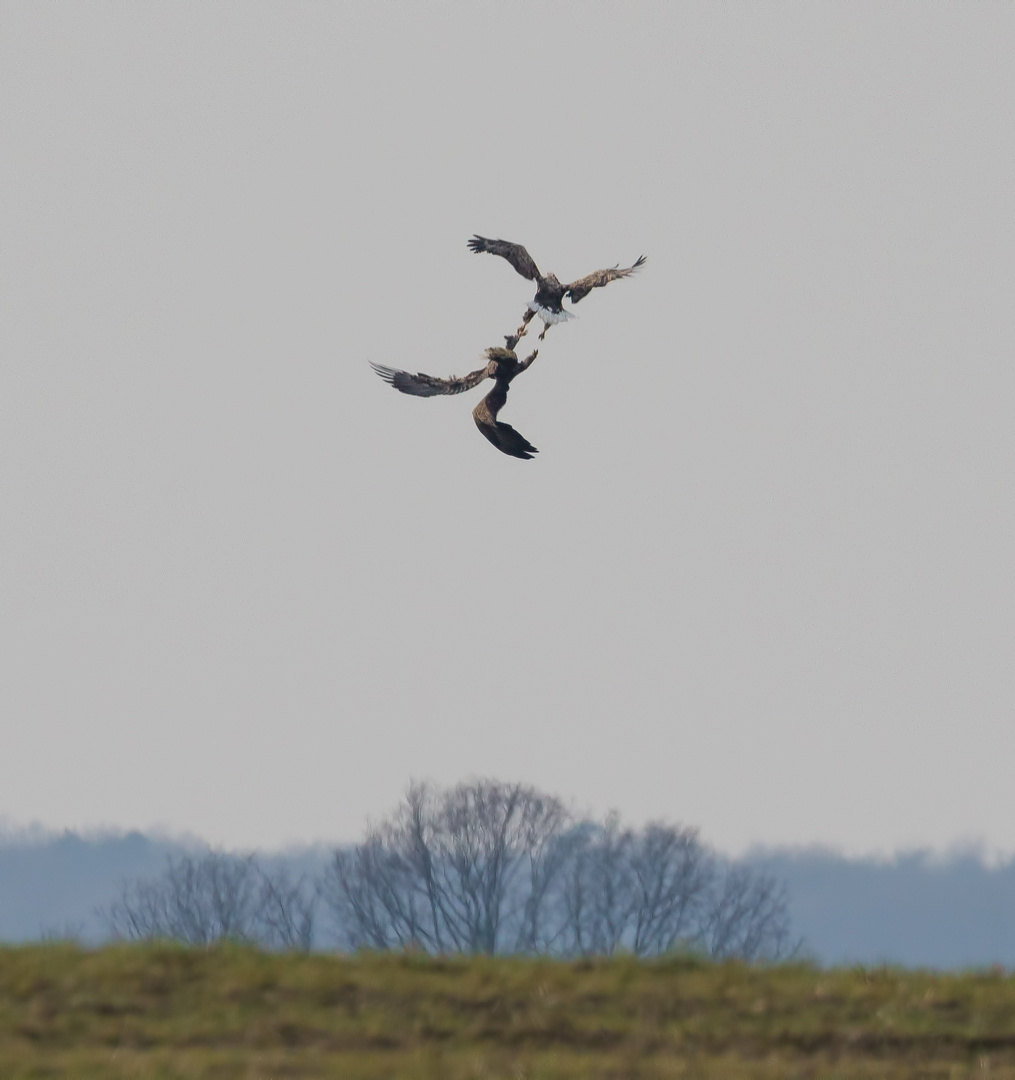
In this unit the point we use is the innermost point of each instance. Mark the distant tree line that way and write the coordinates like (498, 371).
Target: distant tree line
(200, 900)
(482, 867)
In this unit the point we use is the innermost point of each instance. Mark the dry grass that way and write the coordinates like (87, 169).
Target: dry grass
(163, 1011)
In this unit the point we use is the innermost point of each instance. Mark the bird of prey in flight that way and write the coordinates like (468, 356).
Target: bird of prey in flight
(502, 366)
(550, 293)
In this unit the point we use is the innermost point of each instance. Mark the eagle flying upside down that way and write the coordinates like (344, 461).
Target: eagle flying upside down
(550, 293)
(502, 366)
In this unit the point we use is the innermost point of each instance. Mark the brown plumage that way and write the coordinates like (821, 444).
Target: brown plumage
(502, 435)
(502, 366)
(420, 385)
(550, 293)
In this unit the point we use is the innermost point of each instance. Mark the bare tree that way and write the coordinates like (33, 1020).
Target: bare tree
(139, 913)
(196, 900)
(286, 911)
(375, 898)
(645, 892)
(215, 897)
(673, 872)
(597, 894)
(748, 916)
(492, 842)
(465, 869)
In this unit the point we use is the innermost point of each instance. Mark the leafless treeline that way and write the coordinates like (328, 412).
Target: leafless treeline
(214, 897)
(489, 867)
(483, 867)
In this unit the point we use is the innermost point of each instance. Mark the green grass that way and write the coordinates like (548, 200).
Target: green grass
(163, 1011)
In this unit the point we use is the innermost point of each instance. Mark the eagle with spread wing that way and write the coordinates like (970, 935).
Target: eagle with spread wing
(502, 366)
(548, 301)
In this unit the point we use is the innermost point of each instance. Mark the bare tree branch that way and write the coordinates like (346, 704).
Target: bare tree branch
(216, 897)
(748, 916)
(465, 869)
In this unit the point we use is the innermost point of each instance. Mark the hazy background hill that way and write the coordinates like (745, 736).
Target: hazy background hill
(51, 885)
(916, 909)
(54, 886)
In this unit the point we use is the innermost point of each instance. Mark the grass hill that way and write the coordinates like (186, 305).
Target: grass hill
(162, 1011)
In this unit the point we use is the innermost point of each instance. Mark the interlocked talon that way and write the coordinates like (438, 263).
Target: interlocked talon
(524, 328)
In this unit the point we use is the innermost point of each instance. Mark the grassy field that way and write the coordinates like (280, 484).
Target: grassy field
(161, 1011)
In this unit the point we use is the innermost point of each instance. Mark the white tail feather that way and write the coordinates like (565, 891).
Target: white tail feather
(548, 316)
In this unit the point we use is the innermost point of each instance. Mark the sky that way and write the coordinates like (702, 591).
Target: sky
(760, 577)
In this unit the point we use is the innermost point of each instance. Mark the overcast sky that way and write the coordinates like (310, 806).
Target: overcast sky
(760, 577)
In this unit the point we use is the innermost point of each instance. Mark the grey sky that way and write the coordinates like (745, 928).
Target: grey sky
(760, 576)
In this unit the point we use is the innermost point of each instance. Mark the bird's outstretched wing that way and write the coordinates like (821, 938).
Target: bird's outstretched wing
(583, 286)
(515, 254)
(421, 385)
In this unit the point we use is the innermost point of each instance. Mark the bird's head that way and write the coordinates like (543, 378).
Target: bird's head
(497, 354)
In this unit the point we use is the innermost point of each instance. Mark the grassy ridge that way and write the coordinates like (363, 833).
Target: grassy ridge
(163, 1011)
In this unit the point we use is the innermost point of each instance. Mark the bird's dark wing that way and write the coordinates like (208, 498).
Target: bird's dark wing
(583, 286)
(502, 435)
(515, 254)
(422, 385)
(506, 439)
